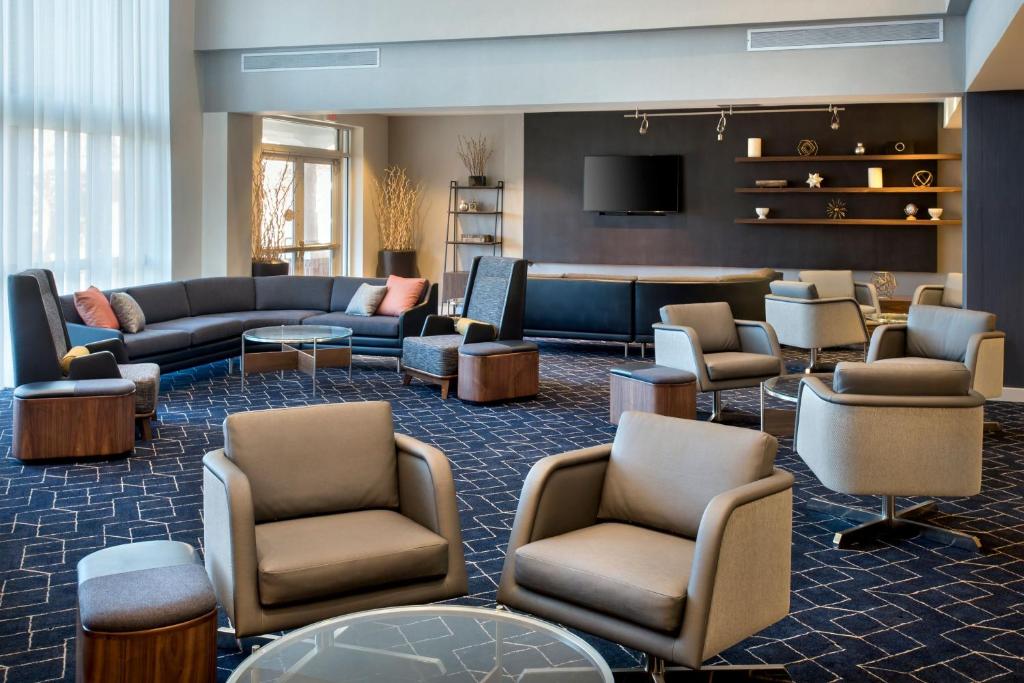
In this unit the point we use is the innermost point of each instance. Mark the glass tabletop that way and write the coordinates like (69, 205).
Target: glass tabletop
(296, 334)
(429, 643)
(787, 387)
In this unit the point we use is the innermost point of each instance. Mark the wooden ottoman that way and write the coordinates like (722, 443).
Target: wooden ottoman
(498, 370)
(652, 389)
(146, 612)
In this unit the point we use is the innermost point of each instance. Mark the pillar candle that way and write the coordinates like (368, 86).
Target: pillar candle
(875, 177)
(753, 147)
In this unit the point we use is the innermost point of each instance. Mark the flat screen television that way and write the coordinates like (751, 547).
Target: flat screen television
(650, 185)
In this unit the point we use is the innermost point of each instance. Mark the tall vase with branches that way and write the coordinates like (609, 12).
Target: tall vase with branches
(397, 201)
(269, 214)
(475, 153)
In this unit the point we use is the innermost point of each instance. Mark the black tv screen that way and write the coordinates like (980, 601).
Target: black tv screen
(632, 184)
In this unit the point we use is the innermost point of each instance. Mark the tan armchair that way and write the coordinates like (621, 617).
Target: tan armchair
(316, 512)
(839, 284)
(721, 352)
(950, 293)
(803, 320)
(671, 530)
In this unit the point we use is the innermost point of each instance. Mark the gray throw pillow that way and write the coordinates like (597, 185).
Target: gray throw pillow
(366, 299)
(129, 313)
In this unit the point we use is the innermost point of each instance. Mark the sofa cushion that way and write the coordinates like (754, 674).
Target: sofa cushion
(320, 557)
(366, 300)
(347, 460)
(831, 284)
(251, 319)
(943, 333)
(162, 301)
(282, 292)
(626, 571)
(663, 471)
(220, 294)
(738, 365)
(403, 293)
(153, 340)
(95, 310)
(713, 322)
(203, 329)
(129, 314)
(344, 287)
(361, 325)
(930, 378)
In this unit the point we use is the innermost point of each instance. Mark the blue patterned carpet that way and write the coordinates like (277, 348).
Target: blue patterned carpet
(909, 611)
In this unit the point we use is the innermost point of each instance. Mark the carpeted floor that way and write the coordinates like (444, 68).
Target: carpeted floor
(909, 611)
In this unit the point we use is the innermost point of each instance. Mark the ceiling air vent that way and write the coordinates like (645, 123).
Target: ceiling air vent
(845, 35)
(361, 58)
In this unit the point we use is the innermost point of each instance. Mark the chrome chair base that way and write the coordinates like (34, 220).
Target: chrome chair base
(655, 670)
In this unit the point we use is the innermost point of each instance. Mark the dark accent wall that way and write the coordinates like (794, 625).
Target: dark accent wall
(994, 220)
(556, 229)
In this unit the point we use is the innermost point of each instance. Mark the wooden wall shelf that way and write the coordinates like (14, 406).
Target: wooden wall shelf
(919, 223)
(846, 190)
(851, 157)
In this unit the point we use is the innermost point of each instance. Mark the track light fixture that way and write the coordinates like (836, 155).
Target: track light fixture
(835, 116)
(644, 125)
(720, 128)
(832, 109)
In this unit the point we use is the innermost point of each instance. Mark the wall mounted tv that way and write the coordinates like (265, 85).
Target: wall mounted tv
(633, 185)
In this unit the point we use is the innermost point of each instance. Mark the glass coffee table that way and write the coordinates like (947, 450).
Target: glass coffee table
(779, 421)
(428, 643)
(293, 355)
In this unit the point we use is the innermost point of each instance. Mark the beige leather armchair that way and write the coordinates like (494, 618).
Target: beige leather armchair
(315, 512)
(892, 430)
(950, 293)
(721, 352)
(672, 529)
(839, 284)
(803, 320)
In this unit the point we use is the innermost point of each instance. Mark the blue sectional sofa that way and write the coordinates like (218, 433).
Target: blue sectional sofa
(191, 322)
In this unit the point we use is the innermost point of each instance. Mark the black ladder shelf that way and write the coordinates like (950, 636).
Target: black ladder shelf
(465, 235)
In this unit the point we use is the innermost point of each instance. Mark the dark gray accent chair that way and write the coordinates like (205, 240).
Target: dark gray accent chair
(40, 339)
(495, 298)
(674, 540)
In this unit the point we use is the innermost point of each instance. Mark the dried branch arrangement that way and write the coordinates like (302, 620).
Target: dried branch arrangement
(475, 152)
(270, 211)
(396, 201)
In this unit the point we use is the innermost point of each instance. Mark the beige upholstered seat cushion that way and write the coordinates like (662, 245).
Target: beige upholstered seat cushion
(663, 471)
(629, 572)
(941, 332)
(831, 284)
(319, 557)
(316, 460)
(713, 322)
(738, 365)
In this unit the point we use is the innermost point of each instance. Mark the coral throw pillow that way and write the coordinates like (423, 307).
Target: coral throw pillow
(95, 309)
(403, 293)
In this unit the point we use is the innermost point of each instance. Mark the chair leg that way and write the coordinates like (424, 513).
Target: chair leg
(406, 379)
(144, 427)
(716, 410)
(812, 362)
(625, 349)
(445, 384)
(398, 364)
(655, 667)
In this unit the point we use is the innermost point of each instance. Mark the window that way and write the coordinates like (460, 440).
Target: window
(314, 160)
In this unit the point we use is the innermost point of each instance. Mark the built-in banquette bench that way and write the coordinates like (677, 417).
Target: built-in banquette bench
(191, 322)
(623, 308)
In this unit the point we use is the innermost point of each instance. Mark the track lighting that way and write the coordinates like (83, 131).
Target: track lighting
(644, 125)
(835, 116)
(720, 128)
(832, 109)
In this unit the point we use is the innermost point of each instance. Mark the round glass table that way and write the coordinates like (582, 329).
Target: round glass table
(428, 643)
(786, 388)
(303, 347)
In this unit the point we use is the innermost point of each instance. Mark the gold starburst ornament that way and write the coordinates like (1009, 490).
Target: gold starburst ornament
(835, 209)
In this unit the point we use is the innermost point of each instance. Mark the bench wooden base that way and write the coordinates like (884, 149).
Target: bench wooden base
(499, 377)
(673, 400)
(73, 427)
(443, 381)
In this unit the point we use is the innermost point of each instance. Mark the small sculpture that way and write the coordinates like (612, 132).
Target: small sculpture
(911, 211)
(922, 178)
(835, 209)
(807, 148)
(859, 149)
(885, 283)
(762, 212)
(814, 180)
(463, 205)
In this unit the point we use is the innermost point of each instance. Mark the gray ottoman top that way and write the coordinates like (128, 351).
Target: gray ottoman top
(145, 599)
(70, 388)
(497, 348)
(653, 374)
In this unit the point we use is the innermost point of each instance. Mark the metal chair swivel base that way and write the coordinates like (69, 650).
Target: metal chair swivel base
(907, 521)
(655, 670)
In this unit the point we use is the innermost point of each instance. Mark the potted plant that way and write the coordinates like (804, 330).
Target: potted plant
(475, 152)
(271, 210)
(396, 202)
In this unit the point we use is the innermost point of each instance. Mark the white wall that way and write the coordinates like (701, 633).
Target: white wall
(369, 157)
(426, 146)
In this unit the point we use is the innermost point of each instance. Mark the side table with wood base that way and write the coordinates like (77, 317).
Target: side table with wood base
(652, 389)
(498, 371)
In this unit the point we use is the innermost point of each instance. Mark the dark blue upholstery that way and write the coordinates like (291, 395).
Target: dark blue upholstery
(162, 301)
(580, 309)
(290, 292)
(208, 295)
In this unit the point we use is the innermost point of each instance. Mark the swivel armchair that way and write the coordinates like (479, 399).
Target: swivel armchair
(802, 319)
(892, 430)
(315, 512)
(839, 284)
(671, 531)
(950, 293)
(721, 352)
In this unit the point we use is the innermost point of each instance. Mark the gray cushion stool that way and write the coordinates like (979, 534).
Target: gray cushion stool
(498, 370)
(652, 389)
(146, 612)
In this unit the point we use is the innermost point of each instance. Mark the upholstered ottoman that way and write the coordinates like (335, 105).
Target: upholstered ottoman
(146, 612)
(498, 371)
(652, 389)
(146, 377)
(73, 419)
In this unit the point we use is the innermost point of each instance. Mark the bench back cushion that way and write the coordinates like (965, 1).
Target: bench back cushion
(220, 294)
(162, 301)
(293, 292)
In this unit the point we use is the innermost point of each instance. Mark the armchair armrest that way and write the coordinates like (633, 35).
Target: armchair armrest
(437, 324)
(100, 365)
(411, 321)
(757, 336)
(677, 346)
(888, 341)
(82, 335)
(744, 547)
(927, 295)
(984, 358)
(866, 294)
(479, 332)
(113, 345)
(229, 541)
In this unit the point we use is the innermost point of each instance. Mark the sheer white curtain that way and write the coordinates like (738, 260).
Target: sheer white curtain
(85, 144)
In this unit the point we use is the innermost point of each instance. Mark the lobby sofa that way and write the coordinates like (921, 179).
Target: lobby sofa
(624, 308)
(191, 322)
